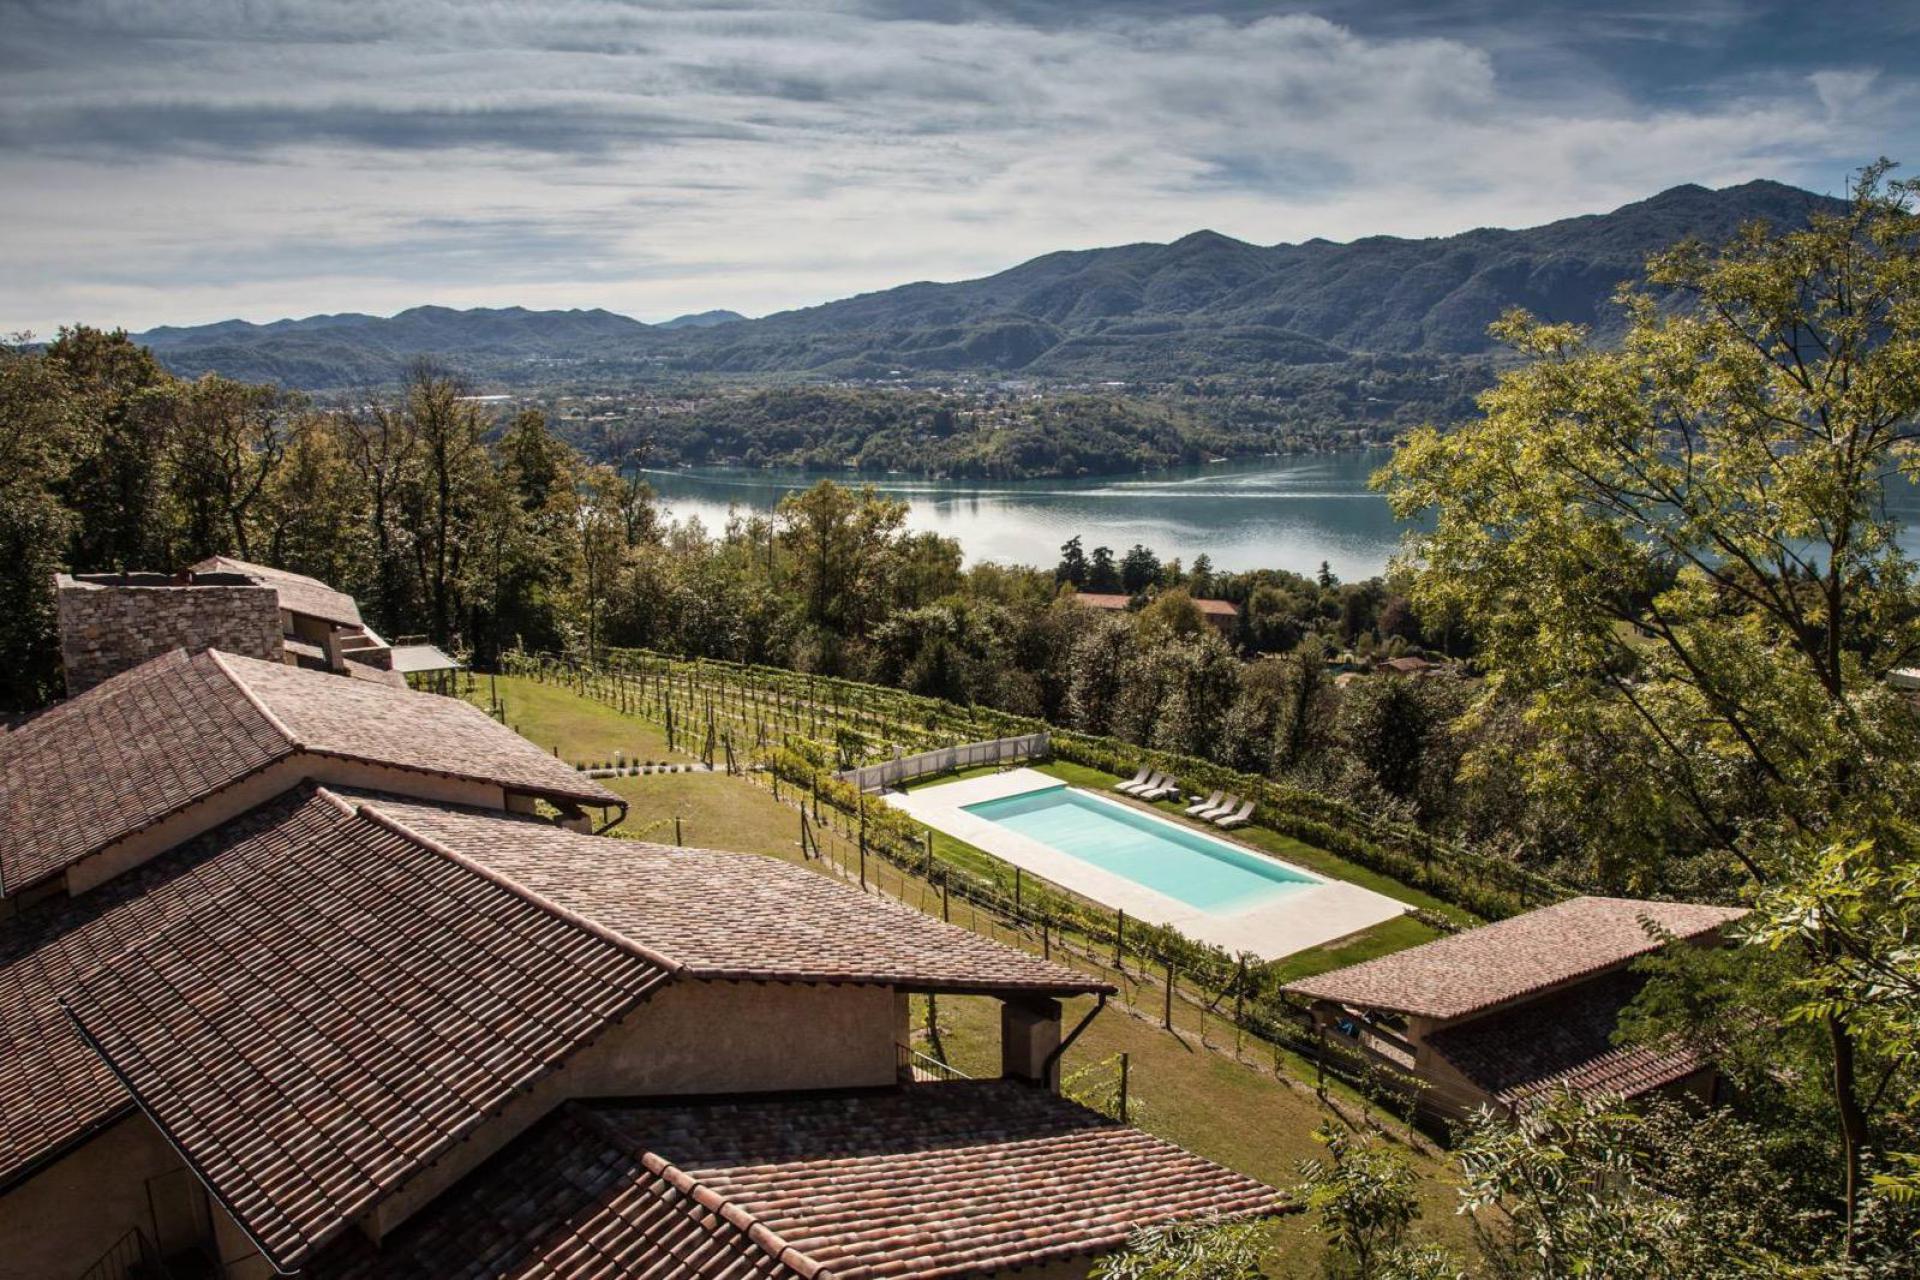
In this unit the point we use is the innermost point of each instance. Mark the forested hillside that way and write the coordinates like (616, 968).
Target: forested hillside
(1204, 305)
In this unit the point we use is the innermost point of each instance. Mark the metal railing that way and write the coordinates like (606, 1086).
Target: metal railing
(918, 1068)
(132, 1255)
(891, 773)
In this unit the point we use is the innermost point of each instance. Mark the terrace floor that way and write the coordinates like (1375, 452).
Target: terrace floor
(1308, 917)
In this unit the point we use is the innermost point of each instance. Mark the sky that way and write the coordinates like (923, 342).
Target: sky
(187, 161)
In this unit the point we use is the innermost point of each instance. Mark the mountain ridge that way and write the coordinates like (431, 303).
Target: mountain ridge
(1205, 304)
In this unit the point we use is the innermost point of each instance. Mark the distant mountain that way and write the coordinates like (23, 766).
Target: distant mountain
(701, 320)
(1204, 304)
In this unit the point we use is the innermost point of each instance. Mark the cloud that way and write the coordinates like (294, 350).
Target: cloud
(194, 159)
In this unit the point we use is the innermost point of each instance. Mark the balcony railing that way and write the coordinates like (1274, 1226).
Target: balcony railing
(918, 1068)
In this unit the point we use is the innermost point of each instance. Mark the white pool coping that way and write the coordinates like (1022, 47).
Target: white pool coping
(1307, 917)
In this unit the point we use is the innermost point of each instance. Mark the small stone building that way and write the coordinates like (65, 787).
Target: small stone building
(1496, 1015)
(112, 622)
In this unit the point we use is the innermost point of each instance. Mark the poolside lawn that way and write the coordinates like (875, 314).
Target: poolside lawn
(578, 730)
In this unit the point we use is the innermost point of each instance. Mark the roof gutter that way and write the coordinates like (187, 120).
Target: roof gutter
(605, 827)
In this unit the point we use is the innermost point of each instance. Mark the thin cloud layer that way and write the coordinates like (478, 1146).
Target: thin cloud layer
(190, 160)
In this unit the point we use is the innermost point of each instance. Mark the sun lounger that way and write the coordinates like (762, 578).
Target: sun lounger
(1239, 819)
(1210, 802)
(1219, 810)
(1169, 789)
(1134, 781)
(1154, 782)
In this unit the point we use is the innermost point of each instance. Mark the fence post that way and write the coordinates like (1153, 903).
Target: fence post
(1017, 880)
(1123, 1087)
(1166, 1017)
(1119, 940)
(929, 853)
(676, 828)
(946, 903)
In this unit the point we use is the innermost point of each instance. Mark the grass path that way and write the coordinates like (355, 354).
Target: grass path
(578, 730)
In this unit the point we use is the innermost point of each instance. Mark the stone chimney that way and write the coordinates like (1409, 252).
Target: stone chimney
(110, 622)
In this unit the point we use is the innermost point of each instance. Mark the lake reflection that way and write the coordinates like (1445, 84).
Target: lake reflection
(1271, 513)
(1277, 513)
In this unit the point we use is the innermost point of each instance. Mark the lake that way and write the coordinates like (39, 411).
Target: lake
(1271, 513)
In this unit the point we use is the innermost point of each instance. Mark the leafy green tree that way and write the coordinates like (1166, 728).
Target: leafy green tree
(1139, 569)
(43, 424)
(1581, 1185)
(1188, 1251)
(1363, 1198)
(841, 542)
(1103, 575)
(1679, 550)
(1102, 663)
(1073, 563)
(225, 443)
(116, 482)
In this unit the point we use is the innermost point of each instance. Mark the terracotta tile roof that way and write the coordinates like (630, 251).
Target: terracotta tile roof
(151, 741)
(966, 1178)
(1103, 599)
(1467, 972)
(315, 1033)
(563, 1202)
(121, 756)
(1218, 608)
(298, 593)
(54, 1090)
(1565, 1039)
(362, 720)
(735, 915)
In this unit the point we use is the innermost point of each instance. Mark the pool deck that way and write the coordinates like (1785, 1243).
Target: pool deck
(1307, 917)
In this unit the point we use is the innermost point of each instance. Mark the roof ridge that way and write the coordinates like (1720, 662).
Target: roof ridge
(259, 704)
(732, 1212)
(372, 813)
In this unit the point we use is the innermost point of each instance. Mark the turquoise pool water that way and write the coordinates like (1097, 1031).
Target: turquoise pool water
(1149, 851)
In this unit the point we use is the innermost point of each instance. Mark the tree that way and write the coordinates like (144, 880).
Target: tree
(1103, 575)
(444, 494)
(1073, 563)
(42, 428)
(1581, 1185)
(1187, 1251)
(1139, 569)
(1678, 551)
(1363, 1197)
(602, 545)
(841, 541)
(225, 443)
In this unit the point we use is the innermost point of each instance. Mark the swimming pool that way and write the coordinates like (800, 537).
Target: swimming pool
(1150, 851)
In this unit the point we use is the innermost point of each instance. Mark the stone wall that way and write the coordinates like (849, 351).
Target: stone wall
(110, 622)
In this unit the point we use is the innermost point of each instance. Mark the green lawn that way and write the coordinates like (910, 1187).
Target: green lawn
(715, 812)
(578, 730)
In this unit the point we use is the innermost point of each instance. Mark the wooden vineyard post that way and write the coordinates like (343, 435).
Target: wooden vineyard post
(1017, 880)
(1166, 1017)
(929, 853)
(946, 902)
(1119, 940)
(676, 829)
(1123, 1087)
(863, 860)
